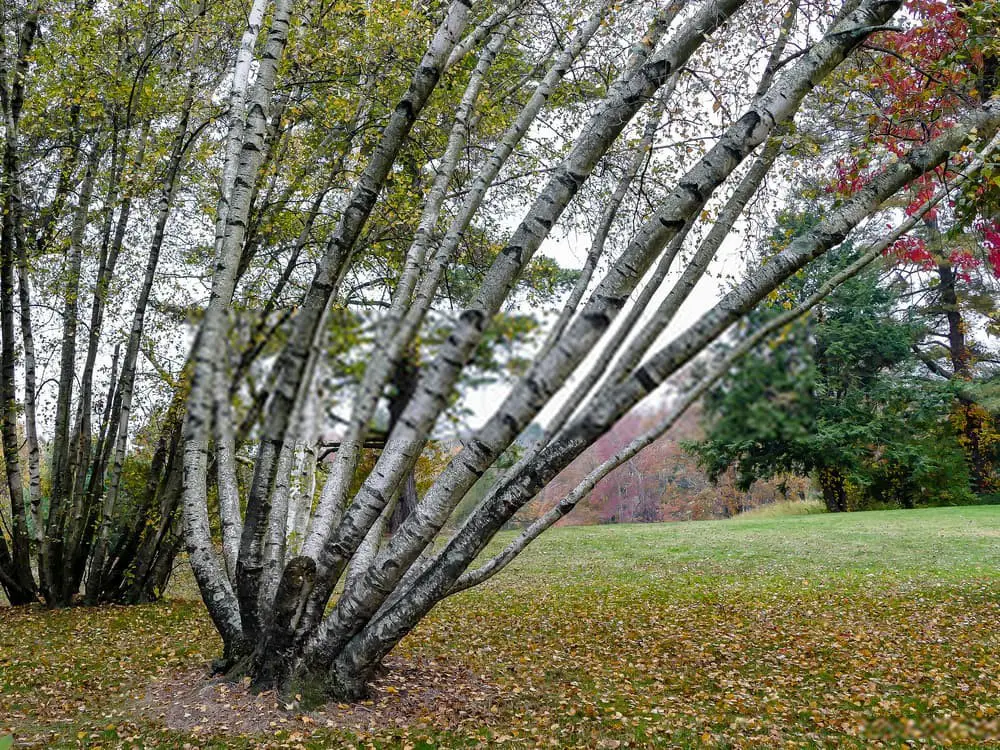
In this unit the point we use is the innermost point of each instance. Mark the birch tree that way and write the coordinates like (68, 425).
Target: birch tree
(82, 166)
(110, 136)
(271, 597)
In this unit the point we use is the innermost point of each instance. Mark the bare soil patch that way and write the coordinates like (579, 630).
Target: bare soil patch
(406, 694)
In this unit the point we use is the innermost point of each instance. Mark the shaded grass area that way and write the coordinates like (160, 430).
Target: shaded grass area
(816, 631)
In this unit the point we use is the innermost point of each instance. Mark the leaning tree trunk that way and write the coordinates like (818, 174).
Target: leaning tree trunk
(333, 651)
(355, 660)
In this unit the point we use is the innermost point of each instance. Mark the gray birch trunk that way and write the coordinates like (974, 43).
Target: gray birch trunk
(30, 391)
(212, 580)
(273, 625)
(301, 504)
(237, 117)
(15, 564)
(667, 228)
(377, 373)
(293, 361)
(19, 583)
(230, 514)
(303, 483)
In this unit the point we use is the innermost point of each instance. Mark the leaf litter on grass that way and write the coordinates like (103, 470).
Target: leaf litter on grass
(414, 693)
(646, 648)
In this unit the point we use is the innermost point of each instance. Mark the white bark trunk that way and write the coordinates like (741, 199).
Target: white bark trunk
(230, 513)
(30, 392)
(673, 218)
(383, 363)
(126, 384)
(218, 594)
(237, 116)
(62, 509)
(293, 361)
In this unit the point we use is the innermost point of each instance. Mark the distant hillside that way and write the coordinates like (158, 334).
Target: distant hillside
(663, 483)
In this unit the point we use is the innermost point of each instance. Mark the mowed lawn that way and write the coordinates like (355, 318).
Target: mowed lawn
(807, 631)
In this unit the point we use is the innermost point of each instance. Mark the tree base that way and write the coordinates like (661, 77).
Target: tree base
(308, 688)
(338, 685)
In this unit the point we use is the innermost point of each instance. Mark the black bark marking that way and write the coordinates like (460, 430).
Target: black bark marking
(570, 181)
(734, 153)
(597, 320)
(645, 379)
(513, 252)
(475, 318)
(616, 303)
(692, 188)
(405, 106)
(750, 121)
(675, 225)
(477, 445)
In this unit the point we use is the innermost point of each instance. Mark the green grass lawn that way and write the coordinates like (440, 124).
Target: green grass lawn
(816, 630)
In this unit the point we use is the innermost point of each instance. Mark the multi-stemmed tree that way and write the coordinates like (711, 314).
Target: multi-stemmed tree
(569, 120)
(380, 180)
(83, 166)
